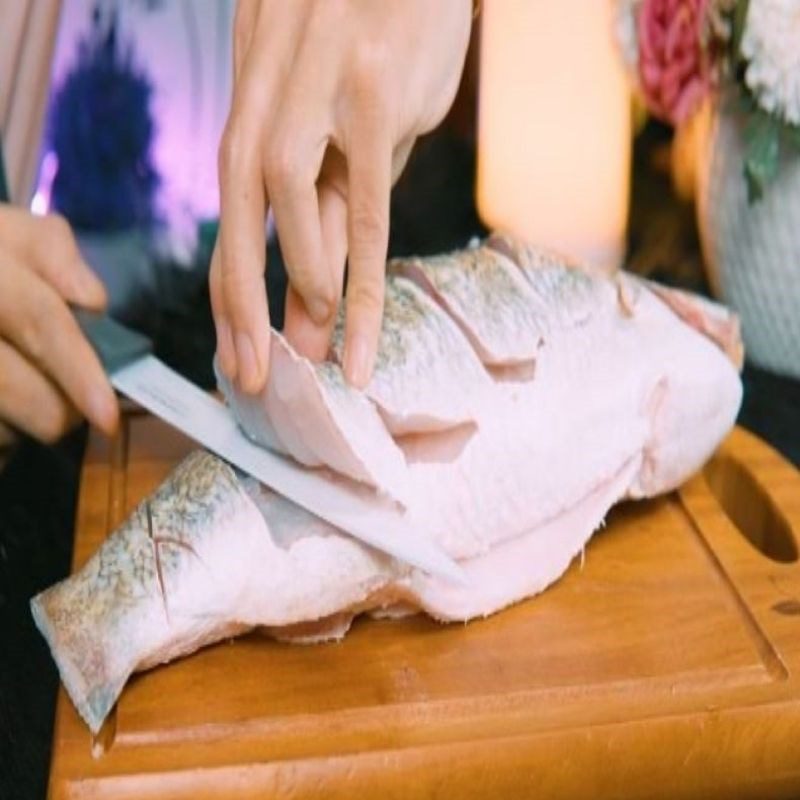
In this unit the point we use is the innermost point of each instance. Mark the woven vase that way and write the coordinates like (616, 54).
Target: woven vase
(752, 251)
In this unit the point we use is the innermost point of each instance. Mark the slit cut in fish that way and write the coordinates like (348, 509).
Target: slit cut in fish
(437, 447)
(485, 294)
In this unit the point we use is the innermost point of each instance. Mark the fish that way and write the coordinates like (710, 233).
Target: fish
(516, 397)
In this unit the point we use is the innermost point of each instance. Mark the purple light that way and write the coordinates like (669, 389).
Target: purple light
(185, 49)
(40, 204)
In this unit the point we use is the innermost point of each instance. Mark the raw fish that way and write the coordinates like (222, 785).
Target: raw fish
(516, 398)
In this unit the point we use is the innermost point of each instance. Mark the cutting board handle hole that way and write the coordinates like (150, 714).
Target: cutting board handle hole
(750, 508)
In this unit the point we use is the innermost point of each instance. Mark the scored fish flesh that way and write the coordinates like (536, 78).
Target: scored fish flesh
(516, 398)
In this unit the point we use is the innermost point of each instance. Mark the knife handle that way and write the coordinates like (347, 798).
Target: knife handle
(115, 344)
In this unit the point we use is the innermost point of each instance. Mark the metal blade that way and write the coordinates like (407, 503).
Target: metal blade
(168, 395)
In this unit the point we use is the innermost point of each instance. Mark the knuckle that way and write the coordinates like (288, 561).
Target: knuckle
(282, 163)
(241, 290)
(54, 422)
(328, 295)
(57, 239)
(235, 281)
(370, 69)
(38, 322)
(367, 297)
(227, 151)
(58, 228)
(369, 228)
(311, 284)
(232, 148)
(303, 277)
(31, 336)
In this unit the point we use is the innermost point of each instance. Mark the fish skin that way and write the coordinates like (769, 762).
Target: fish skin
(309, 412)
(121, 613)
(711, 319)
(530, 258)
(522, 566)
(110, 620)
(117, 597)
(628, 397)
(412, 394)
(484, 293)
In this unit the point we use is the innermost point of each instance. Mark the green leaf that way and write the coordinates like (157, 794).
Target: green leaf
(761, 153)
(755, 188)
(740, 102)
(739, 22)
(791, 134)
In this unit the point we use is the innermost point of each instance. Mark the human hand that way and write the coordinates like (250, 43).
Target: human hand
(49, 374)
(328, 100)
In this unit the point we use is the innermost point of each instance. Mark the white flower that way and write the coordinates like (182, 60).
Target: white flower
(625, 28)
(771, 46)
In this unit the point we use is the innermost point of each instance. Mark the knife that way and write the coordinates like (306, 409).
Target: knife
(135, 372)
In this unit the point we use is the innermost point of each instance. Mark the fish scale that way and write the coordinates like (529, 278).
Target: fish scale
(415, 334)
(485, 294)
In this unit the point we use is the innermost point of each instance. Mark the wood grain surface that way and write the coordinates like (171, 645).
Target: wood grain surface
(667, 664)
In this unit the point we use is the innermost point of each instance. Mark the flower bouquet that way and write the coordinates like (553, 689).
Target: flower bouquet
(730, 71)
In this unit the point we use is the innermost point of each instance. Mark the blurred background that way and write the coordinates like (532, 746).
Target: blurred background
(582, 140)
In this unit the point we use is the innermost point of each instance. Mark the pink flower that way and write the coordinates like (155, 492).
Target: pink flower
(673, 67)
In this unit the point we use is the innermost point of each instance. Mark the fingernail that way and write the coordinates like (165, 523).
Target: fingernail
(357, 361)
(247, 365)
(319, 310)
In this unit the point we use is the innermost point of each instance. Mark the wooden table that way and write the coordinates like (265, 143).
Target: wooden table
(665, 665)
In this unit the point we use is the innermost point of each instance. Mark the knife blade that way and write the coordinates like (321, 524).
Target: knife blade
(139, 375)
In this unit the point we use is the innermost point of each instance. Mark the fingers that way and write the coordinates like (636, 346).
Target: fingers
(296, 144)
(369, 185)
(48, 247)
(266, 38)
(29, 402)
(58, 261)
(291, 177)
(226, 353)
(37, 322)
(307, 337)
(241, 302)
(308, 73)
(243, 28)
(244, 315)
(242, 259)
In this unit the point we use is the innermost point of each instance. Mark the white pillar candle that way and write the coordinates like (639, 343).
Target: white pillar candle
(554, 132)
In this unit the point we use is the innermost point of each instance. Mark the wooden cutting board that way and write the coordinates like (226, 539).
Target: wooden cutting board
(667, 664)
